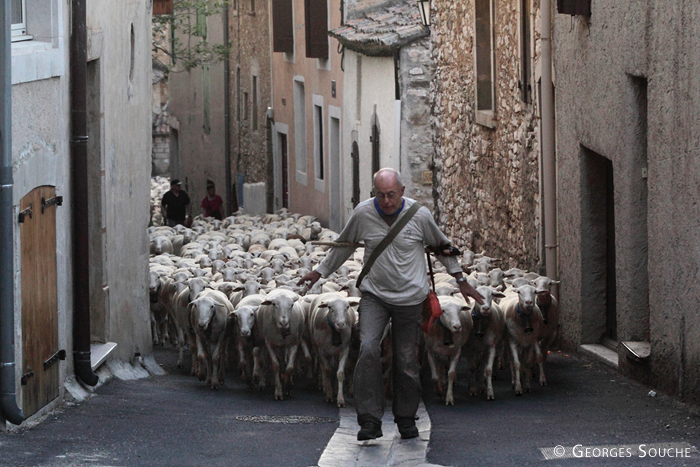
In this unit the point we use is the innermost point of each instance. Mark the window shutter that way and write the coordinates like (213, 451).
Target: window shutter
(574, 7)
(283, 26)
(162, 7)
(316, 13)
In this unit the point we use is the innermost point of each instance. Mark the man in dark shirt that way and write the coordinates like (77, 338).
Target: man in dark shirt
(175, 204)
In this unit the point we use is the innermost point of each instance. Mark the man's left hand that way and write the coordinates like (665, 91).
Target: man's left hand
(469, 291)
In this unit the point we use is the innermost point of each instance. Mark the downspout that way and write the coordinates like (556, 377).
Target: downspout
(548, 154)
(227, 112)
(79, 194)
(8, 402)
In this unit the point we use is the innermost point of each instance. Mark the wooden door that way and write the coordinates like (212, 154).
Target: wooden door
(40, 382)
(355, 174)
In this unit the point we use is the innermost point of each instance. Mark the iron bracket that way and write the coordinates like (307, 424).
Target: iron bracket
(26, 212)
(56, 200)
(60, 355)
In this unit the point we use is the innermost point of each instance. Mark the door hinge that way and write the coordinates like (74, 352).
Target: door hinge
(26, 212)
(56, 200)
(60, 355)
(26, 376)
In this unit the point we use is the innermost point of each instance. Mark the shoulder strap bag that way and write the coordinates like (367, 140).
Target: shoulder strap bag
(397, 227)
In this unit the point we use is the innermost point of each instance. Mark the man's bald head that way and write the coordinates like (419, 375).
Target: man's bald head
(388, 190)
(386, 177)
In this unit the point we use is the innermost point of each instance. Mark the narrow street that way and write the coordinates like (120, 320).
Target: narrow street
(174, 420)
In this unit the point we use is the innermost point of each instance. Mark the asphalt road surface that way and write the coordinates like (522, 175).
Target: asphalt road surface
(588, 415)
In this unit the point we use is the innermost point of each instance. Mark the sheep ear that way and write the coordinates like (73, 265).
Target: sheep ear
(498, 294)
(466, 308)
(554, 282)
(354, 302)
(266, 302)
(323, 305)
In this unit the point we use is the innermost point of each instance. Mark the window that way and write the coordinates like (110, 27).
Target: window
(238, 94)
(283, 26)
(252, 6)
(300, 130)
(255, 102)
(316, 13)
(18, 14)
(318, 141)
(484, 57)
(201, 30)
(525, 53)
(245, 106)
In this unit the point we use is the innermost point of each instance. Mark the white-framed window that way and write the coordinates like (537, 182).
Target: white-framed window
(319, 153)
(300, 129)
(19, 21)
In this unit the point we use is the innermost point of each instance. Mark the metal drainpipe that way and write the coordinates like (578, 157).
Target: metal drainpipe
(227, 112)
(79, 194)
(548, 154)
(8, 401)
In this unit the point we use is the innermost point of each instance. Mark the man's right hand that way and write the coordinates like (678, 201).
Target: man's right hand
(312, 277)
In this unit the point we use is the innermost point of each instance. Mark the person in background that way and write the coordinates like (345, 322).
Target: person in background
(212, 203)
(175, 204)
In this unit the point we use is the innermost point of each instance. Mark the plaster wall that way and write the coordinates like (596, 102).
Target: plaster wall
(307, 194)
(369, 91)
(125, 61)
(41, 156)
(487, 177)
(202, 154)
(599, 65)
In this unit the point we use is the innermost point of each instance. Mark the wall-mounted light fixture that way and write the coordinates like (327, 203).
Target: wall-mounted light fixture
(424, 8)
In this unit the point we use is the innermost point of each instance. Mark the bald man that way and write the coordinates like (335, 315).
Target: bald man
(394, 288)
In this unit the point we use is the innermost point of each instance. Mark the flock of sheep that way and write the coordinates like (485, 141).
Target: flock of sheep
(226, 290)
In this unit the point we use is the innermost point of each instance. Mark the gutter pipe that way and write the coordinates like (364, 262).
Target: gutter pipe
(8, 402)
(79, 190)
(548, 147)
(227, 112)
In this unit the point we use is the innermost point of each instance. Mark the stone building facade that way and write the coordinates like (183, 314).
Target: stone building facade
(629, 172)
(486, 121)
(250, 85)
(386, 107)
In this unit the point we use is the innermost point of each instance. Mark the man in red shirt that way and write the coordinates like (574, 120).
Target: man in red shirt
(212, 202)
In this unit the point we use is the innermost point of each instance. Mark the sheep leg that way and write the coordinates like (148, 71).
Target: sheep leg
(258, 378)
(434, 374)
(289, 372)
(450, 398)
(488, 372)
(341, 375)
(326, 377)
(540, 362)
(515, 368)
(275, 370)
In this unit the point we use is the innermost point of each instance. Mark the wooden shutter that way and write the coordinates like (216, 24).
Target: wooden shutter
(283, 26)
(162, 7)
(316, 15)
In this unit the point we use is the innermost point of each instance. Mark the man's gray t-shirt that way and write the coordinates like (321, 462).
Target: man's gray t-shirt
(399, 275)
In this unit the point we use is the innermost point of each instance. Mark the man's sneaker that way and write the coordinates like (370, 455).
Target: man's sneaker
(407, 427)
(369, 430)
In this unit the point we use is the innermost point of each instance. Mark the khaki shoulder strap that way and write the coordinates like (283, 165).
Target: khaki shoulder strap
(398, 227)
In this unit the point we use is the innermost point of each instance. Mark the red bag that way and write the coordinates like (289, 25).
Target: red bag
(431, 311)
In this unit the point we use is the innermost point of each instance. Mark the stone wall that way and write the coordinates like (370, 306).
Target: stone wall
(417, 151)
(250, 37)
(486, 179)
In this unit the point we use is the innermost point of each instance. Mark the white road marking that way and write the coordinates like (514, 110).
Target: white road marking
(344, 450)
